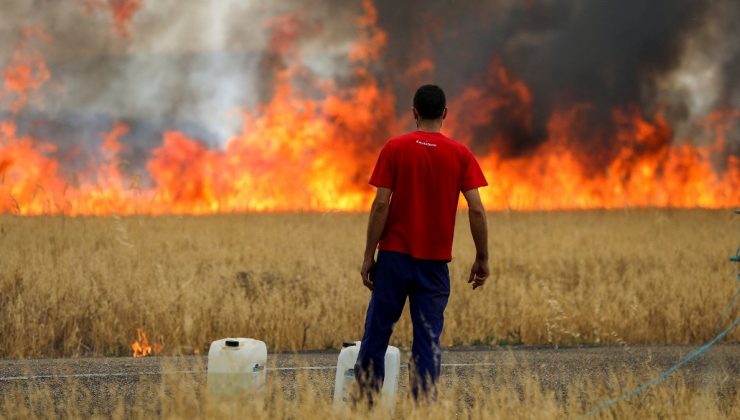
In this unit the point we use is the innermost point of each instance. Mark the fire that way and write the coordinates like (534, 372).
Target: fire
(141, 346)
(314, 151)
(122, 11)
(646, 171)
(27, 71)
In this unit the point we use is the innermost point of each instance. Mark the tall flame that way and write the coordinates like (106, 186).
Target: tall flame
(314, 152)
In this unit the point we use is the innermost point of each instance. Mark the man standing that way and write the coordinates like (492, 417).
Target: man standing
(419, 177)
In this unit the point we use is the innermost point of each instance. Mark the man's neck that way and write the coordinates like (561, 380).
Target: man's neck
(431, 126)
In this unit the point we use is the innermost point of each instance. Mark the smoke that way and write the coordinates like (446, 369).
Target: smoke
(176, 65)
(193, 65)
(679, 56)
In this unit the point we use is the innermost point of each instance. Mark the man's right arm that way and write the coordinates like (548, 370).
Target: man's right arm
(479, 229)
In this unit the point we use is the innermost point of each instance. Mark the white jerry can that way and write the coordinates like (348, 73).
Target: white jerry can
(345, 378)
(236, 366)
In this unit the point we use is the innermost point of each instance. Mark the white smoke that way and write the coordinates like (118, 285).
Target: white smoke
(700, 83)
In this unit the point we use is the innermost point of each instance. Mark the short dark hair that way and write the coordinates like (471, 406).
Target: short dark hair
(430, 102)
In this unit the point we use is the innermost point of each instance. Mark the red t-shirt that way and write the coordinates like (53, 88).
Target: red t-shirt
(426, 172)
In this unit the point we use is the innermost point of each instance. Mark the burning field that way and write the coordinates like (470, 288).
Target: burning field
(175, 172)
(568, 105)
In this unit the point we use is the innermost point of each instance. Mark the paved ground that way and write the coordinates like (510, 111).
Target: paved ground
(554, 368)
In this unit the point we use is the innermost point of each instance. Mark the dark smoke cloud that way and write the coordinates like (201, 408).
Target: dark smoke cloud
(607, 54)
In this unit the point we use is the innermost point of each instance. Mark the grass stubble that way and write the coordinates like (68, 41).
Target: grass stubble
(72, 287)
(512, 393)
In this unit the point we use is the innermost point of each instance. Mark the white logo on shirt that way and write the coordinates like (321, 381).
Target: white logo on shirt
(425, 143)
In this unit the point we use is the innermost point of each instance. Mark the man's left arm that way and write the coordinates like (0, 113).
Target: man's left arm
(376, 224)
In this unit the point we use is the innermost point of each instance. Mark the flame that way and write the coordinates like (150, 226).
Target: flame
(314, 152)
(27, 70)
(141, 346)
(122, 11)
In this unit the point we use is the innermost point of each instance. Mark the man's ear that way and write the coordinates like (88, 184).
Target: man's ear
(416, 113)
(444, 113)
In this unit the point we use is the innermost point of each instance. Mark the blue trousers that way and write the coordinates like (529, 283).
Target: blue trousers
(426, 283)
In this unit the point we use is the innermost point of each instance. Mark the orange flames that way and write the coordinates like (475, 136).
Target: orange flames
(26, 72)
(141, 346)
(647, 171)
(301, 152)
(122, 11)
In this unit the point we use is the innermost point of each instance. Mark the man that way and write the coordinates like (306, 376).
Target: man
(419, 177)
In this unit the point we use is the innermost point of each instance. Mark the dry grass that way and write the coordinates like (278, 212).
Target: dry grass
(511, 394)
(79, 286)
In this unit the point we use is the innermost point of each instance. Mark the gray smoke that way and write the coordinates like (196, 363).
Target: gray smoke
(187, 65)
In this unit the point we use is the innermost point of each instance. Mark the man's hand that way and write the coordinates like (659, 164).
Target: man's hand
(367, 268)
(479, 273)
(375, 226)
(479, 230)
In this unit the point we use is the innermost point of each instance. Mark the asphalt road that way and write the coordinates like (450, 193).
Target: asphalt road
(106, 378)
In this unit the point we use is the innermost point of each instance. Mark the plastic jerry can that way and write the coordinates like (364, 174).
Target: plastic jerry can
(236, 366)
(345, 378)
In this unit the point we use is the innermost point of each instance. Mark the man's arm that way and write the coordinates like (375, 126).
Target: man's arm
(479, 229)
(375, 226)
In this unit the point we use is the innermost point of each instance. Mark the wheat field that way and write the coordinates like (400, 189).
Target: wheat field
(82, 286)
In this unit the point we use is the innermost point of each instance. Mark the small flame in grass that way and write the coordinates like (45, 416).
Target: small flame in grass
(141, 346)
